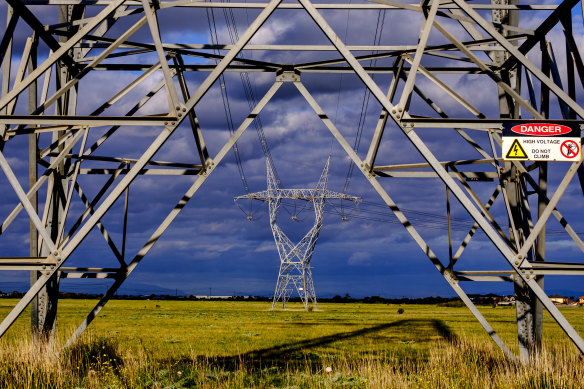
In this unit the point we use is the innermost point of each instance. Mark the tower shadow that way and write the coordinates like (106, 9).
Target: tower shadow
(283, 355)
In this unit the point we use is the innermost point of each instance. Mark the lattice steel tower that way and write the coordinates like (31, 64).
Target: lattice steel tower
(447, 79)
(295, 273)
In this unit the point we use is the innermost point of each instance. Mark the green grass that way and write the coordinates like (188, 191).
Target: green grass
(244, 344)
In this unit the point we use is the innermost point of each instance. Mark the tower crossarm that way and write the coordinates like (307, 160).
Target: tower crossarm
(298, 194)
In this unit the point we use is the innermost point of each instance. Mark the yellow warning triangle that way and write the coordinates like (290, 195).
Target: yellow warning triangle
(516, 151)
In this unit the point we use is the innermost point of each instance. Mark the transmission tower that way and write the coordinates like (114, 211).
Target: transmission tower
(522, 61)
(295, 274)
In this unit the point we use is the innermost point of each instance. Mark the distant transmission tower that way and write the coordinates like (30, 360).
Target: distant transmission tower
(295, 273)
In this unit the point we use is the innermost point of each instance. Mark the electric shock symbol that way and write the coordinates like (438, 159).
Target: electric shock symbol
(570, 149)
(516, 151)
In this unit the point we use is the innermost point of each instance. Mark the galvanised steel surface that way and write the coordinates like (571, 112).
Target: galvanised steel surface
(523, 58)
(295, 274)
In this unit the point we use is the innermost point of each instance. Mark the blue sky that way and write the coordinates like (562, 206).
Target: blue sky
(212, 244)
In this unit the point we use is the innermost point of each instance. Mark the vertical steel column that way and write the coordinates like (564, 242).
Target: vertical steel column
(6, 65)
(524, 300)
(44, 305)
(541, 204)
(540, 257)
(566, 21)
(32, 179)
(44, 309)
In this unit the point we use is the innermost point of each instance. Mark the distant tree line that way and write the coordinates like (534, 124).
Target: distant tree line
(488, 299)
(395, 300)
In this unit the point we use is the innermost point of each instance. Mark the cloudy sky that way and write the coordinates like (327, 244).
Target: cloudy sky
(212, 245)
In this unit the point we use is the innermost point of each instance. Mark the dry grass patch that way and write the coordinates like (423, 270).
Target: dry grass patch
(169, 344)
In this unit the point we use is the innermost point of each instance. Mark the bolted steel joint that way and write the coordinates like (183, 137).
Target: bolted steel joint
(450, 277)
(288, 76)
(408, 127)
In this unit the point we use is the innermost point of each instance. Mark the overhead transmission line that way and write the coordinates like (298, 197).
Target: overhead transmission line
(364, 106)
(225, 99)
(423, 219)
(248, 90)
(366, 98)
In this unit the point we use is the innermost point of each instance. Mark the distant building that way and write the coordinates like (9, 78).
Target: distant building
(581, 300)
(559, 300)
(506, 301)
(207, 297)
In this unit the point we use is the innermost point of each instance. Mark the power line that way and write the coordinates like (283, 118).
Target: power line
(366, 98)
(225, 99)
(426, 219)
(248, 90)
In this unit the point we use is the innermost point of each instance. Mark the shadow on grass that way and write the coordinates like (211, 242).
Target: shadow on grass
(300, 352)
(444, 331)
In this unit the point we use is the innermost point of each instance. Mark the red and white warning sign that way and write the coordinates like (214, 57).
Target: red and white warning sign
(541, 142)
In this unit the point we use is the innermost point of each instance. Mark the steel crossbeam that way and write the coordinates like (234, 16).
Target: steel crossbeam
(453, 41)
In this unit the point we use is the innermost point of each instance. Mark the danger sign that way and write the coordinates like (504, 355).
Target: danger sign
(541, 142)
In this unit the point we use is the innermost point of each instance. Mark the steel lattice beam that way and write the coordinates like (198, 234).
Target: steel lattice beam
(453, 39)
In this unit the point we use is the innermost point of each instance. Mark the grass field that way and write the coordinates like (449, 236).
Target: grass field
(172, 344)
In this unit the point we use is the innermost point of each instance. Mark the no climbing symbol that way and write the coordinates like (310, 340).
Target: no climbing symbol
(516, 151)
(570, 149)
